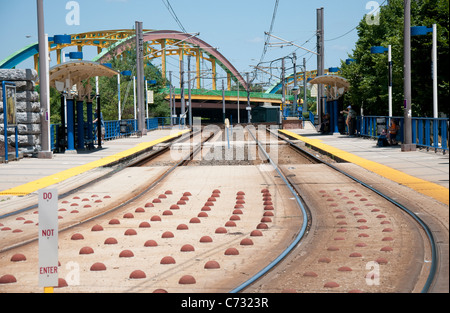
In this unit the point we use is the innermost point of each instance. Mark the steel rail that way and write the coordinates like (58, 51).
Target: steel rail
(434, 255)
(299, 236)
(134, 198)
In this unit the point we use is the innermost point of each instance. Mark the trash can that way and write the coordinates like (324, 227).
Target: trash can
(381, 124)
(123, 127)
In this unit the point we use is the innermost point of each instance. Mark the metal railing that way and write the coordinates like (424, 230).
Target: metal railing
(114, 129)
(429, 133)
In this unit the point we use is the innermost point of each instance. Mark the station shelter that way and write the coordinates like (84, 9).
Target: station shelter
(72, 80)
(335, 87)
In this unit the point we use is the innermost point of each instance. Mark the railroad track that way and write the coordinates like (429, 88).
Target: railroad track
(230, 246)
(421, 275)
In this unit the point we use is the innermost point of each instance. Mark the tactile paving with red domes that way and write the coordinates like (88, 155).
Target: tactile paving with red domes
(142, 240)
(357, 237)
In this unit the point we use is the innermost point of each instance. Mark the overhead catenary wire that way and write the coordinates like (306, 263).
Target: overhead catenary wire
(174, 15)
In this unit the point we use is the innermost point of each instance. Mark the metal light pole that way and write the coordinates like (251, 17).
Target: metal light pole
(189, 92)
(44, 83)
(423, 30)
(380, 50)
(305, 96)
(407, 130)
(183, 101)
(140, 78)
(320, 61)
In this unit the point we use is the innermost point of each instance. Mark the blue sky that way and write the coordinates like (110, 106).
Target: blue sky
(236, 27)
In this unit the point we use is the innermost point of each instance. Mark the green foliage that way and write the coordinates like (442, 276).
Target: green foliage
(109, 93)
(369, 74)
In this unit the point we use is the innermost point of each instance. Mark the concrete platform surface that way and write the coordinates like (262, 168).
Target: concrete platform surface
(425, 171)
(24, 176)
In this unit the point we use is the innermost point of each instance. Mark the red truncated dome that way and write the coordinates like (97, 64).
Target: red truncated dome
(97, 228)
(174, 207)
(138, 274)
(149, 205)
(194, 220)
(187, 248)
(98, 267)
(77, 237)
(126, 254)
(256, 233)
(130, 232)
(310, 274)
(221, 230)
(62, 283)
(7, 279)
(18, 258)
(128, 215)
(111, 241)
(262, 226)
(167, 234)
(182, 227)
(187, 194)
(86, 250)
(144, 225)
(232, 251)
(139, 210)
(155, 218)
(212, 265)
(331, 284)
(246, 242)
(187, 280)
(150, 243)
(206, 239)
(114, 221)
(167, 260)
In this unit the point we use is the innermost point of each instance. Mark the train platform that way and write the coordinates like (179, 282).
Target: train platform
(423, 171)
(28, 175)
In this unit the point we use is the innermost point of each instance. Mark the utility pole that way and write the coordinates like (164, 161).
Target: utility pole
(305, 96)
(171, 99)
(295, 104)
(407, 130)
(283, 91)
(320, 61)
(249, 108)
(140, 78)
(183, 101)
(223, 100)
(44, 82)
(189, 92)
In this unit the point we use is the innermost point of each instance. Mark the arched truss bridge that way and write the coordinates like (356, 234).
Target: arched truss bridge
(161, 44)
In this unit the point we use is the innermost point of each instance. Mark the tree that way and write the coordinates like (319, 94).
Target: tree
(108, 88)
(369, 74)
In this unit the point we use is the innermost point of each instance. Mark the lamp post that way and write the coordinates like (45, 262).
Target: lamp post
(407, 127)
(44, 81)
(380, 50)
(420, 31)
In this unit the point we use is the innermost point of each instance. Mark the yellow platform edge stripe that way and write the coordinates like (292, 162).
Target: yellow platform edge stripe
(45, 182)
(427, 188)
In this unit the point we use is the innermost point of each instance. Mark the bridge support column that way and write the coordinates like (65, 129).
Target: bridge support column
(198, 56)
(70, 127)
(213, 64)
(80, 125)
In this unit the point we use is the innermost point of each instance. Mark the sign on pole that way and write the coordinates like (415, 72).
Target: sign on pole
(48, 238)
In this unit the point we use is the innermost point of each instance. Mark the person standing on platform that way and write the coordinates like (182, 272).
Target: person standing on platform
(350, 120)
